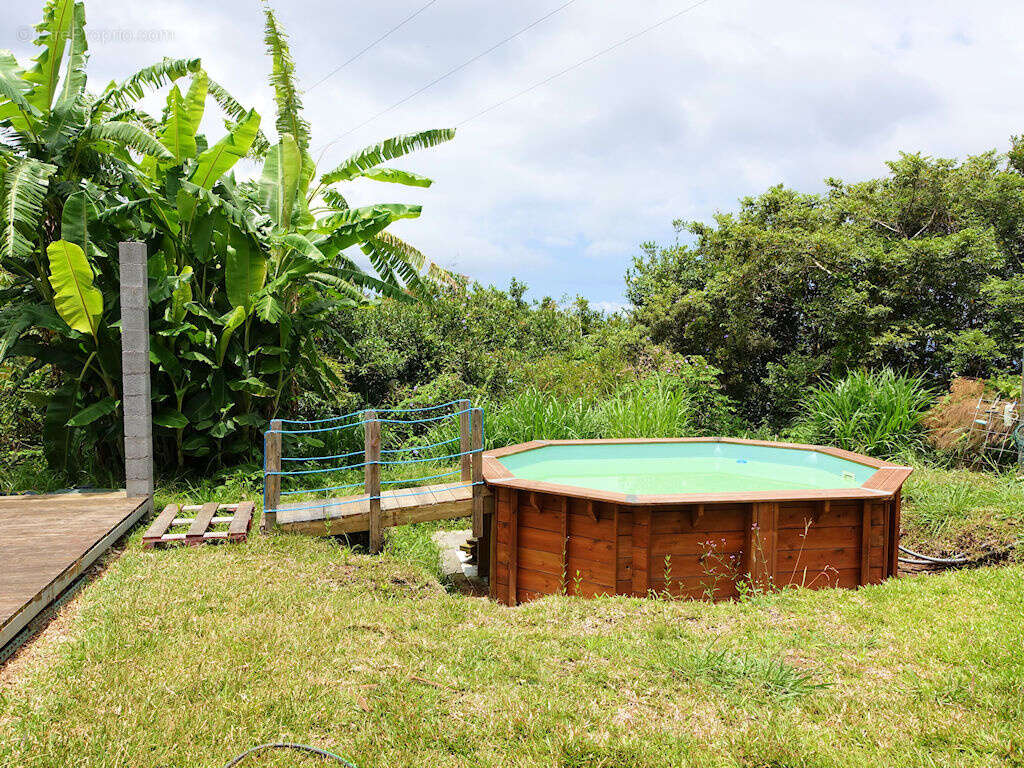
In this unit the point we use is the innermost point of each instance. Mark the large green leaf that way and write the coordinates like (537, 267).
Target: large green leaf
(231, 322)
(14, 88)
(129, 136)
(24, 187)
(120, 95)
(76, 299)
(245, 270)
(395, 176)
(218, 159)
(233, 109)
(74, 223)
(183, 117)
(182, 295)
(54, 33)
(280, 180)
(389, 149)
(282, 78)
(74, 74)
(91, 413)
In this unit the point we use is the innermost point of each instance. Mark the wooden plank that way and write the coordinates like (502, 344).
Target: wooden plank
(202, 520)
(272, 482)
(563, 557)
(894, 535)
(160, 525)
(371, 446)
(513, 551)
(47, 541)
(641, 550)
(241, 521)
(865, 545)
(492, 585)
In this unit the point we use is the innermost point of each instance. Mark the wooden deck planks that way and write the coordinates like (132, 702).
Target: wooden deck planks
(399, 506)
(47, 541)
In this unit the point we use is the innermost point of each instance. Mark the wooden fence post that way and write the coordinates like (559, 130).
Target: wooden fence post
(372, 469)
(477, 445)
(272, 482)
(464, 441)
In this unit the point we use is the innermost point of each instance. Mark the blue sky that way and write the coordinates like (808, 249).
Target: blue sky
(559, 187)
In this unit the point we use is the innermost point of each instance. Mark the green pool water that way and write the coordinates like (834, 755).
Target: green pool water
(658, 468)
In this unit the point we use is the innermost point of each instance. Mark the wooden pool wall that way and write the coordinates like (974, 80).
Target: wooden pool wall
(546, 543)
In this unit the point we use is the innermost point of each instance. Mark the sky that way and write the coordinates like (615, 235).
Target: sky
(559, 187)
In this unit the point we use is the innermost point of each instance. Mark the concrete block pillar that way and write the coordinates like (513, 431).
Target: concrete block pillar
(136, 399)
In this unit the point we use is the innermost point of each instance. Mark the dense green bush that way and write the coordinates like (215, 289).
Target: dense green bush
(880, 413)
(918, 271)
(483, 342)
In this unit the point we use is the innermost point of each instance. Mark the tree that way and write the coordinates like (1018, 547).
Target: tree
(917, 271)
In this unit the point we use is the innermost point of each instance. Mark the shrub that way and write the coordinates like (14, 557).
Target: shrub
(880, 413)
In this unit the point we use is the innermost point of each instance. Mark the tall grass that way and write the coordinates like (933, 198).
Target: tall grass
(880, 413)
(658, 406)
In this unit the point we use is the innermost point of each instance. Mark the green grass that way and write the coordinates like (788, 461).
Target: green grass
(189, 656)
(960, 510)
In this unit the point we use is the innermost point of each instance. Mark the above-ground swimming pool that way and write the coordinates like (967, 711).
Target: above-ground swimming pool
(691, 517)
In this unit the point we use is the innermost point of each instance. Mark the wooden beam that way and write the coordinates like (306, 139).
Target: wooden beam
(865, 543)
(476, 443)
(696, 513)
(760, 544)
(641, 551)
(371, 445)
(160, 526)
(894, 535)
(271, 482)
(513, 552)
(200, 524)
(565, 544)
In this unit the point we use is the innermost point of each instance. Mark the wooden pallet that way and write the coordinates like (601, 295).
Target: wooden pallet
(200, 526)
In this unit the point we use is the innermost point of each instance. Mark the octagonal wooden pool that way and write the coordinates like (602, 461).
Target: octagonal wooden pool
(701, 517)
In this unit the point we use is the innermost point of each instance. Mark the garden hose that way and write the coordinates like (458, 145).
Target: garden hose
(286, 745)
(935, 560)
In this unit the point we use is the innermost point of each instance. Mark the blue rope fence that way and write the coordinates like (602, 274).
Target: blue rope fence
(394, 416)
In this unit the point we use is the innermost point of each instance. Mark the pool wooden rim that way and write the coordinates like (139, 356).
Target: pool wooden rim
(883, 484)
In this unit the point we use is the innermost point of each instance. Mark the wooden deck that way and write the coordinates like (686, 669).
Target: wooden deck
(47, 541)
(351, 514)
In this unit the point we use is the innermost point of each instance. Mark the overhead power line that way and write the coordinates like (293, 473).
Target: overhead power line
(582, 62)
(452, 71)
(383, 37)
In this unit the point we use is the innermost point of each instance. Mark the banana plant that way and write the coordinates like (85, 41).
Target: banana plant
(71, 187)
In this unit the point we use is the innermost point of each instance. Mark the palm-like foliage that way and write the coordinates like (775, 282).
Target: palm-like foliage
(243, 276)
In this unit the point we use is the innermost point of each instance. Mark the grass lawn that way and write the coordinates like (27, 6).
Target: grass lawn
(187, 657)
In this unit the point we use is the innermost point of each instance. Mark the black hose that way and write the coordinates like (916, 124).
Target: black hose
(286, 745)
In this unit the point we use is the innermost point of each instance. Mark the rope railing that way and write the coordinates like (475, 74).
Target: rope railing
(373, 459)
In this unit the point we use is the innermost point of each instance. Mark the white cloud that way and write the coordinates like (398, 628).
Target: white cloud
(560, 186)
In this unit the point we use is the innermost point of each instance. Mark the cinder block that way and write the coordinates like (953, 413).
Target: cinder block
(137, 408)
(134, 339)
(136, 385)
(138, 446)
(135, 363)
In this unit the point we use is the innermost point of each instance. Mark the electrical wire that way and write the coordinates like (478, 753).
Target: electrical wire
(450, 72)
(582, 62)
(380, 39)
